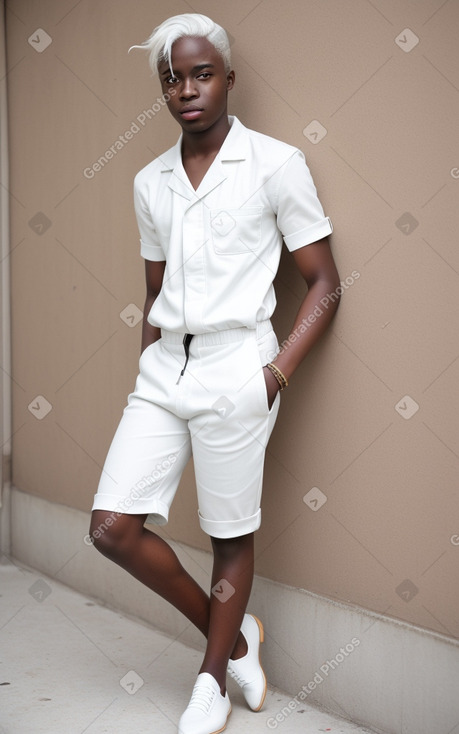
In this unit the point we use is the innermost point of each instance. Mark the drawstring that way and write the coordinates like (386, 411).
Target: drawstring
(186, 345)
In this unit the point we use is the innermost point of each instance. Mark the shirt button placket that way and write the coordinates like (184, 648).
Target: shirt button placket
(193, 265)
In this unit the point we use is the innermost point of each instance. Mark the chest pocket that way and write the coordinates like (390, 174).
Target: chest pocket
(236, 231)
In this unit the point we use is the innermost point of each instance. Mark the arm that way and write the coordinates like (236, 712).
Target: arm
(154, 273)
(316, 265)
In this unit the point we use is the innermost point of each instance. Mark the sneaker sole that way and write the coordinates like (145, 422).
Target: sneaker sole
(224, 726)
(262, 639)
(218, 731)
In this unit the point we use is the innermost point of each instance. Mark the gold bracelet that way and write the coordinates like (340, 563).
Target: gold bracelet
(280, 377)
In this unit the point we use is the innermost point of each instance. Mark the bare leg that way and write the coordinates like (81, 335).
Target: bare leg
(232, 576)
(153, 562)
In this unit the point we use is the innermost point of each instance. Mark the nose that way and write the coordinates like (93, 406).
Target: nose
(188, 90)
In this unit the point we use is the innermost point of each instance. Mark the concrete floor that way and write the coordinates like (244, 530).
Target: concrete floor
(69, 665)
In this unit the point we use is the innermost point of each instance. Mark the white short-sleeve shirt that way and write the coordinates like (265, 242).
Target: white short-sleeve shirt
(222, 243)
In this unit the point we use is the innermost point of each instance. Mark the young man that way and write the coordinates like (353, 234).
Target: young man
(212, 212)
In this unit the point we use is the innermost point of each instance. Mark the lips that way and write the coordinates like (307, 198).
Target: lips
(191, 112)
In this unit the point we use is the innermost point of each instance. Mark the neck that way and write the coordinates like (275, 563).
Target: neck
(206, 142)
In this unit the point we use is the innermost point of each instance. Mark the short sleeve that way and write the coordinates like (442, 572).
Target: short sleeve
(150, 247)
(300, 216)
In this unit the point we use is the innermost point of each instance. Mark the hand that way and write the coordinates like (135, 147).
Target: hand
(272, 386)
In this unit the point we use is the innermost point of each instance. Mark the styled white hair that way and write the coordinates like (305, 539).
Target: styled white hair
(189, 24)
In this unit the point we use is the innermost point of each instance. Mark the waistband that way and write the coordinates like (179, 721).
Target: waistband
(225, 336)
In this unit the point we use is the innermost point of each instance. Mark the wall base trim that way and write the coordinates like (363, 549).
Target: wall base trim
(379, 672)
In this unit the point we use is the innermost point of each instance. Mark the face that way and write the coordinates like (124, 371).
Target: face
(200, 83)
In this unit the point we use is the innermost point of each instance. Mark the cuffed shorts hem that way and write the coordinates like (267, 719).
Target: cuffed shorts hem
(158, 512)
(230, 528)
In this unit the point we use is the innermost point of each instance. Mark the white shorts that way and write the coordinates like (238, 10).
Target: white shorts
(218, 411)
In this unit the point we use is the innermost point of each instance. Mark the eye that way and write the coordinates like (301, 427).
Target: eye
(171, 80)
(204, 75)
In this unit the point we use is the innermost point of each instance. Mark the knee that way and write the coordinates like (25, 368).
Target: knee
(103, 532)
(110, 534)
(229, 549)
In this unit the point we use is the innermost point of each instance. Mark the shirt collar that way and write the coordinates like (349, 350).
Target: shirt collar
(234, 147)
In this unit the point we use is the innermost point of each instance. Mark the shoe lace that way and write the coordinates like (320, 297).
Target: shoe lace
(236, 676)
(202, 698)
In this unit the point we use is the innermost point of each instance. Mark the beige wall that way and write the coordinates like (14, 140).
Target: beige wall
(390, 480)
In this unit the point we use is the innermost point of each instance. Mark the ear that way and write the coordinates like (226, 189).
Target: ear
(230, 80)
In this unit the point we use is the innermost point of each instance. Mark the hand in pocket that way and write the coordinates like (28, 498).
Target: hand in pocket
(272, 386)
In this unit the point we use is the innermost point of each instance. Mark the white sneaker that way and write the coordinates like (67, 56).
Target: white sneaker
(247, 671)
(208, 710)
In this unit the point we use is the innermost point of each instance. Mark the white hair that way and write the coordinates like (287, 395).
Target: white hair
(189, 24)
